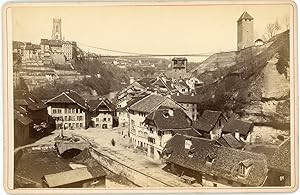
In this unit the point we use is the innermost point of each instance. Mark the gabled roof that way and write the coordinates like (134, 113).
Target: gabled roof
(228, 140)
(67, 177)
(163, 119)
(234, 125)
(181, 98)
(281, 159)
(69, 97)
(102, 102)
(150, 102)
(226, 161)
(188, 132)
(207, 120)
(245, 15)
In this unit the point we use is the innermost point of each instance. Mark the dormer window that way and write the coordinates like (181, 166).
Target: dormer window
(166, 115)
(244, 167)
(210, 158)
(191, 153)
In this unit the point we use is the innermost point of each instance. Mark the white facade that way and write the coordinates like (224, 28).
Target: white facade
(157, 141)
(103, 120)
(67, 49)
(138, 131)
(69, 117)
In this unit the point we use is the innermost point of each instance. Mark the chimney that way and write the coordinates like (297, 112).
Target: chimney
(193, 93)
(237, 134)
(177, 93)
(131, 80)
(188, 143)
(171, 112)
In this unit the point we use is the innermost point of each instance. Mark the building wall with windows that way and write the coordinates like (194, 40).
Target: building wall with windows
(157, 141)
(138, 131)
(69, 116)
(103, 120)
(67, 49)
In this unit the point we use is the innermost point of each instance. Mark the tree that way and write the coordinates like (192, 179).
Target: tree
(286, 22)
(273, 28)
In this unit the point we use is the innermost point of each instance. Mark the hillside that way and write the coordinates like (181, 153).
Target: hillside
(90, 77)
(254, 83)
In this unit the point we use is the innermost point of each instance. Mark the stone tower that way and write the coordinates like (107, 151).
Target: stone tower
(245, 36)
(56, 29)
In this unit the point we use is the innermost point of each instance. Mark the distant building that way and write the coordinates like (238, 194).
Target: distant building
(182, 86)
(210, 124)
(102, 113)
(210, 165)
(56, 29)
(162, 125)
(28, 106)
(245, 34)
(137, 115)
(228, 140)
(76, 178)
(189, 102)
(69, 110)
(179, 67)
(241, 130)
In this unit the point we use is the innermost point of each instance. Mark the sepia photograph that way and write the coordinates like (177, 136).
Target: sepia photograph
(175, 96)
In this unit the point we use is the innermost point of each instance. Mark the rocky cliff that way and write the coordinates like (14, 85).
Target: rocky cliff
(253, 83)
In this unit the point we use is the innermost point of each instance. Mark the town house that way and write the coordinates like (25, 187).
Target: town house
(164, 123)
(137, 115)
(201, 160)
(210, 124)
(101, 113)
(69, 110)
(189, 102)
(241, 130)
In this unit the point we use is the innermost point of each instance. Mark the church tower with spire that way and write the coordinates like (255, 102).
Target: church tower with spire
(56, 29)
(245, 34)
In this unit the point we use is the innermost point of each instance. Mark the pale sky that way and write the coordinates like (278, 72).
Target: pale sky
(146, 29)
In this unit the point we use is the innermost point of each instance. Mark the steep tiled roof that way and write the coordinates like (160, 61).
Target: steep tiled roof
(180, 98)
(234, 125)
(281, 159)
(69, 97)
(228, 140)
(226, 161)
(148, 103)
(164, 120)
(188, 132)
(207, 121)
(245, 15)
(102, 102)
